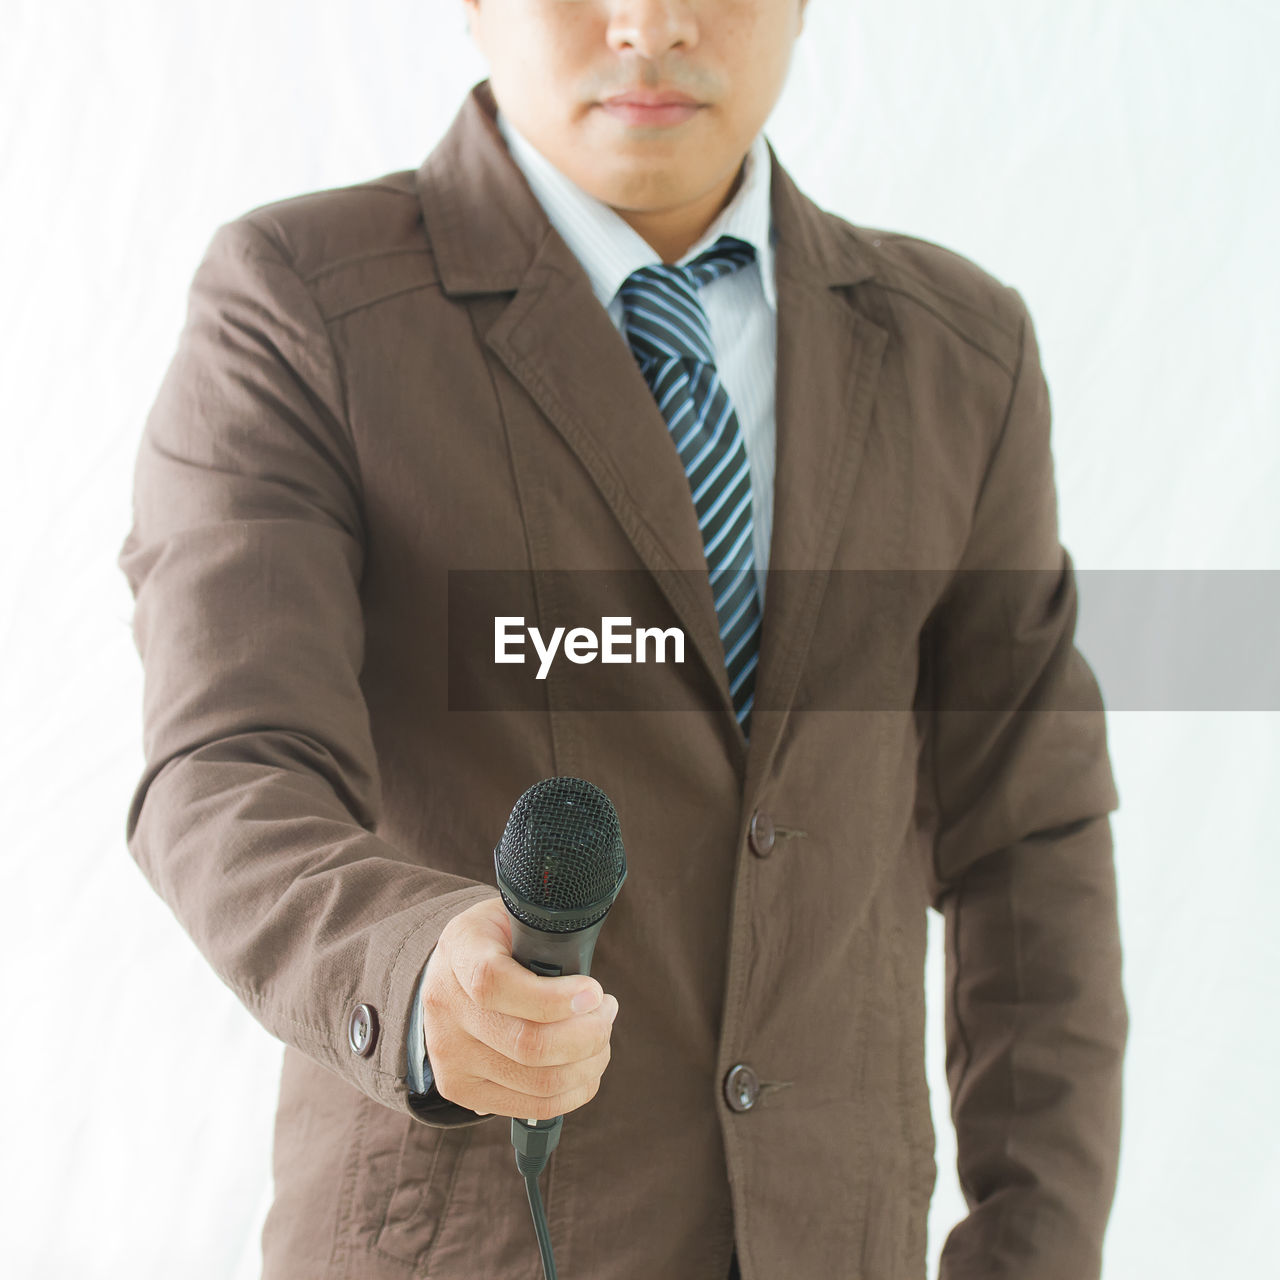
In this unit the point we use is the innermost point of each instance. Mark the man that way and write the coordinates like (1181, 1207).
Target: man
(386, 392)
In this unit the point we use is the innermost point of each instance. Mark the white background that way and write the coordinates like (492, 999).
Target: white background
(1115, 162)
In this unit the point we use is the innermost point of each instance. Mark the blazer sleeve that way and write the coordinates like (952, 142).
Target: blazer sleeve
(1018, 773)
(256, 816)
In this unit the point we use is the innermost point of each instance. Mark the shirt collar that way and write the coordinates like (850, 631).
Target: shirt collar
(610, 250)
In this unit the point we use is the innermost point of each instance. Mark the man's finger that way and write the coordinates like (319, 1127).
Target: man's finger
(496, 982)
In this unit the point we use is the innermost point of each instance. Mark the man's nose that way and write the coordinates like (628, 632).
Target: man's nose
(651, 28)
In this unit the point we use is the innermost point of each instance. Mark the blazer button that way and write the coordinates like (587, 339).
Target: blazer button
(741, 1088)
(762, 834)
(362, 1029)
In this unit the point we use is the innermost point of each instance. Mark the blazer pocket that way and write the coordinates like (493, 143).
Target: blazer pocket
(426, 1171)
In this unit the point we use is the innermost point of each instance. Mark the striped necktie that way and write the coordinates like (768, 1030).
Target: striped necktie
(670, 338)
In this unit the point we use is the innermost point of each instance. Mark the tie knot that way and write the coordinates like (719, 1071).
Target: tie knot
(726, 255)
(663, 314)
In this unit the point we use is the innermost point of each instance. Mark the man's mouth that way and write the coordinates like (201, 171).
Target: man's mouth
(651, 107)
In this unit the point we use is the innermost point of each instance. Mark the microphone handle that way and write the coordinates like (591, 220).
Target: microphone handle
(553, 954)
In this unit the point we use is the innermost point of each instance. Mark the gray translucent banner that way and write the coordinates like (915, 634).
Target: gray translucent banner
(876, 640)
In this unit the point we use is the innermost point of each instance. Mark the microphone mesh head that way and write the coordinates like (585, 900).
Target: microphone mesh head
(562, 850)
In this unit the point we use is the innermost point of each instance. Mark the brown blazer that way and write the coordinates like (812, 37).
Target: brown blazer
(381, 390)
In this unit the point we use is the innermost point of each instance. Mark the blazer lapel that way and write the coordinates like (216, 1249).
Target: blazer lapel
(828, 366)
(490, 235)
(560, 344)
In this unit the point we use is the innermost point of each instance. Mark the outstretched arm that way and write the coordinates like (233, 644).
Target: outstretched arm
(256, 818)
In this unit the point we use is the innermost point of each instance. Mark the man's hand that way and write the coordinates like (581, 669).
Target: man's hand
(501, 1039)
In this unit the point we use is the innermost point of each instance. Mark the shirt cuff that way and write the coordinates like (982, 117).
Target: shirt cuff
(418, 1074)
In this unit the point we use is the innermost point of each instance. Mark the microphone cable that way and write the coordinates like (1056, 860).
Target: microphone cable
(534, 1141)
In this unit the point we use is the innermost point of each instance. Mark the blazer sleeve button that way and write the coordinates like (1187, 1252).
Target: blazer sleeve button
(362, 1029)
(762, 834)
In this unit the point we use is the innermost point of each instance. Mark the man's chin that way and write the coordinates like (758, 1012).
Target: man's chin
(651, 189)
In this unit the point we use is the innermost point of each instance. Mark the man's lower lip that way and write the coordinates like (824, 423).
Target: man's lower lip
(634, 113)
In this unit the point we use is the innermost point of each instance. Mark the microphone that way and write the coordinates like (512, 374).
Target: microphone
(560, 864)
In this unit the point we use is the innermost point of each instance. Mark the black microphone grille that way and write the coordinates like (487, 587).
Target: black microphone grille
(562, 852)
